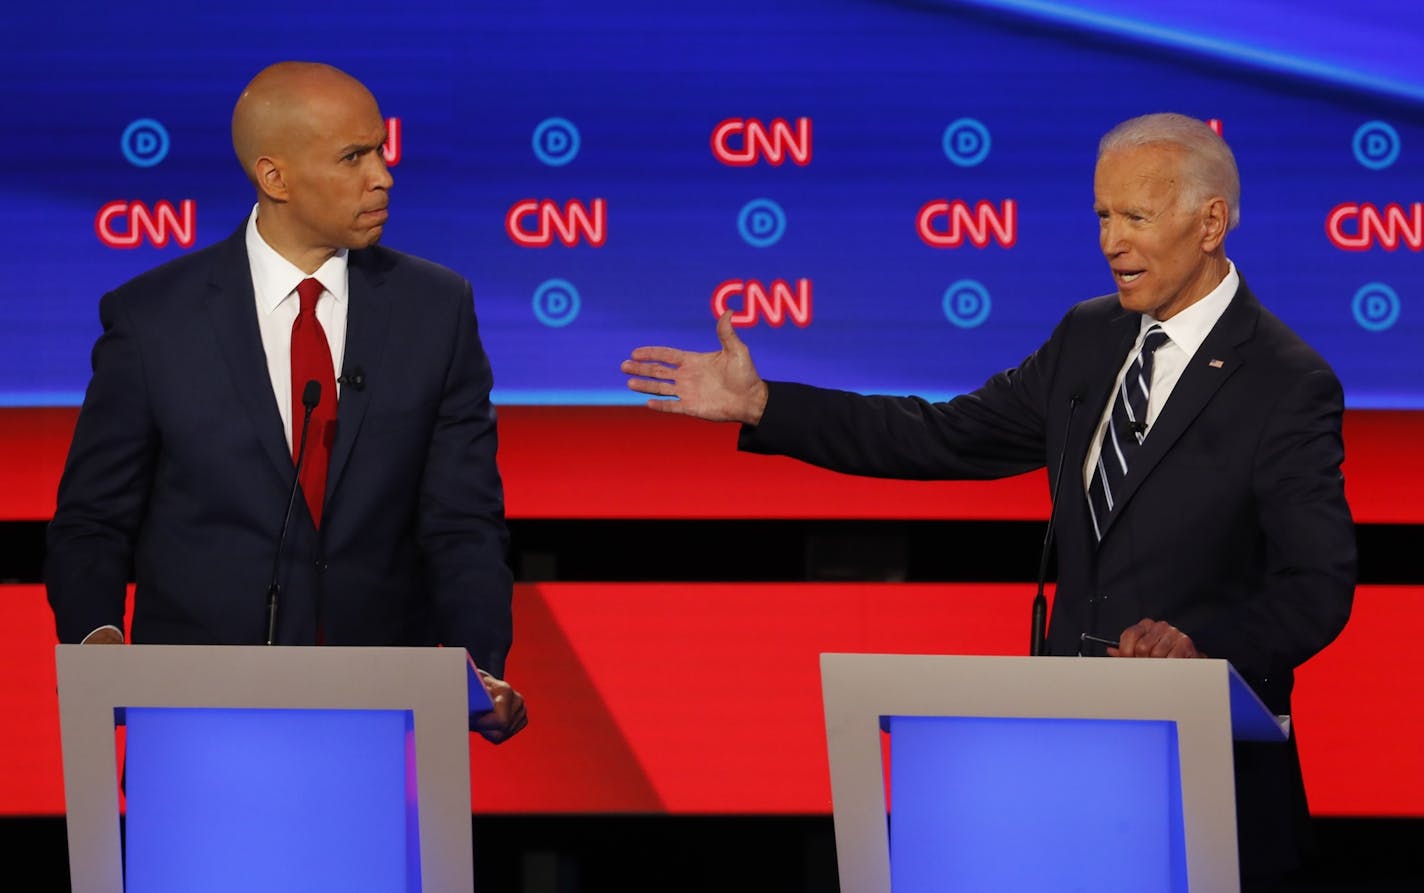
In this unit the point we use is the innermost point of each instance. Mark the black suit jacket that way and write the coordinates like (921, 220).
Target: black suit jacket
(179, 470)
(1233, 525)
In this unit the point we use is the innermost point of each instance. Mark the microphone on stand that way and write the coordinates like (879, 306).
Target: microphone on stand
(311, 396)
(1038, 644)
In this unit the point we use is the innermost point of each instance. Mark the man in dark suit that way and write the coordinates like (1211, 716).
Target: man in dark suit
(1203, 510)
(183, 457)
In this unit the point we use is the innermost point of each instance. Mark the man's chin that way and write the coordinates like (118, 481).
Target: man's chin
(369, 239)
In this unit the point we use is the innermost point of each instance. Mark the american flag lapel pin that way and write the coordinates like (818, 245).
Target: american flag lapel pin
(1216, 364)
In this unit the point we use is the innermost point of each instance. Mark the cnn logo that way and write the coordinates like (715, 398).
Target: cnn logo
(774, 303)
(537, 224)
(124, 224)
(742, 142)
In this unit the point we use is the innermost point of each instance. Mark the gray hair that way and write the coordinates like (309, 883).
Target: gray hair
(1208, 166)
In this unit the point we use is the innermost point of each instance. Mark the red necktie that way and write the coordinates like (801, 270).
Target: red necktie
(311, 361)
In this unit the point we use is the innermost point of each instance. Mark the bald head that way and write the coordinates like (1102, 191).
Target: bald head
(310, 139)
(289, 104)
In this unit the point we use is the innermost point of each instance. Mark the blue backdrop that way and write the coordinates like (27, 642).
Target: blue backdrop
(613, 106)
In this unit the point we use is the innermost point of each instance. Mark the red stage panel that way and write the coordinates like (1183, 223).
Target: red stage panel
(705, 698)
(629, 462)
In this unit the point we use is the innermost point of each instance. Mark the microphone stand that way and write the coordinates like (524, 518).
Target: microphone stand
(1038, 643)
(311, 396)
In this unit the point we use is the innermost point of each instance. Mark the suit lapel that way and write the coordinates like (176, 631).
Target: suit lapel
(1214, 362)
(232, 308)
(367, 318)
(1107, 359)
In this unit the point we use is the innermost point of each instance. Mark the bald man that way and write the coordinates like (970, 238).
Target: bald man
(298, 339)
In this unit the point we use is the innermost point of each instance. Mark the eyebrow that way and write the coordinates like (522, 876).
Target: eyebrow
(362, 147)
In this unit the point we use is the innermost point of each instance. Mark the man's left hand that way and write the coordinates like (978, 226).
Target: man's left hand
(1154, 638)
(507, 717)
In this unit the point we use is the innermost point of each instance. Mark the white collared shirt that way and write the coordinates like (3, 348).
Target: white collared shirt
(1186, 331)
(274, 284)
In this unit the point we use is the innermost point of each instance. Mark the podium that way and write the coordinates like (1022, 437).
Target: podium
(266, 768)
(1051, 773)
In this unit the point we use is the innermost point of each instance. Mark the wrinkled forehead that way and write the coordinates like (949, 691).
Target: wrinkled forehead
(1153, 169)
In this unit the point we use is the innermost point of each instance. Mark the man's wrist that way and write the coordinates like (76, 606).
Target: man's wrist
(760, 394)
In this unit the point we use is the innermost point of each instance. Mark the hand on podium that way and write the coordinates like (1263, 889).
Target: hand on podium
(1154, 638)
(507, 717)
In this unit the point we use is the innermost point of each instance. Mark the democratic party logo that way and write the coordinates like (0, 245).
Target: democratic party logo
(145, 143)
(966, 142)
(1375, 306)
(761, 222)
(556, 303)
(556, 141)
(1376, 145)
(966, 304)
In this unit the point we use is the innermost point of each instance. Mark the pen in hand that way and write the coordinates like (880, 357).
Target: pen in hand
(1098, 640)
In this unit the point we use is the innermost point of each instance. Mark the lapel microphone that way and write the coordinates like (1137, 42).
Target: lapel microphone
(1038, 643)
(355, 379)
(311, 396)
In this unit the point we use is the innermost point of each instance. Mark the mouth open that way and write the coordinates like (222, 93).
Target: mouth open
(1127, 277)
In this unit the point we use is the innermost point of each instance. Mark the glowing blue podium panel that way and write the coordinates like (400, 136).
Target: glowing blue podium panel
(1033, 804)
(1008, 773)
(276, 800)
(274, 769)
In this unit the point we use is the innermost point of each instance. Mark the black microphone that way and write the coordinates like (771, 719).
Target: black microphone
(311, 396)
(355, 379)
(1038, 644)
(1138, 427)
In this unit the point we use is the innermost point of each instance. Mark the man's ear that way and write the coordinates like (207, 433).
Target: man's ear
(270, 179)
(1215, 218)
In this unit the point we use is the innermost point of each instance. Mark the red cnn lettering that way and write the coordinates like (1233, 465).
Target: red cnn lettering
(391, 148)
(1216, 126)
(1373, 227)
(742, 142)
(773, 305)
(139, 222)
(978, 225)
(535, 224)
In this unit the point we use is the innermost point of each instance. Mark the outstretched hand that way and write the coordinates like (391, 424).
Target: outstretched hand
(721, 386)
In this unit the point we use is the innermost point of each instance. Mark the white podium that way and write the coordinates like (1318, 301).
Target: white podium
(1049, 773)
(267, 768)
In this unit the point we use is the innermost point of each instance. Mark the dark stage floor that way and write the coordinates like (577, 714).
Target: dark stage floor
(590, 854)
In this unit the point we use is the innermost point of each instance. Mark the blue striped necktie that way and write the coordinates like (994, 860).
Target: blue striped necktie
(1126, 430)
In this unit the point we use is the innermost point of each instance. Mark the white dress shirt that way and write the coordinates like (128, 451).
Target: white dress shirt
(274, 285)
(1186, 331)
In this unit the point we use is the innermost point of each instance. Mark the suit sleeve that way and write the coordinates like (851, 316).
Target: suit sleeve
(462, 530)
(104, 490)
(998, 430)
(1308, 578)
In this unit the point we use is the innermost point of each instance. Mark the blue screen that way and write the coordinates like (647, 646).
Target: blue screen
(891, 196)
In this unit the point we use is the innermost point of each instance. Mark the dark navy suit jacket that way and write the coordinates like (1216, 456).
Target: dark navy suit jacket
(1233, 525)
(179, 470)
